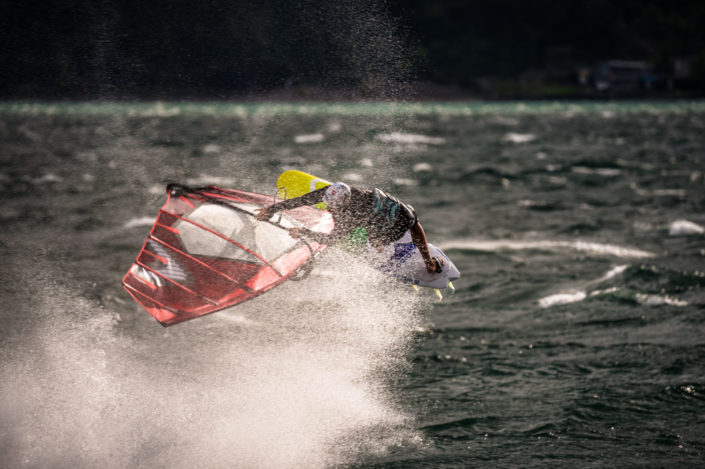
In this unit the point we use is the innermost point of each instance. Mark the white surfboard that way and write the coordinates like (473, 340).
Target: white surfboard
(402, 260)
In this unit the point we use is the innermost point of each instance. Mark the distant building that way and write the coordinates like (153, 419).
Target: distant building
(625, 76)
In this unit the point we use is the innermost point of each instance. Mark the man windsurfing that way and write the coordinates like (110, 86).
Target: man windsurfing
(384, 218)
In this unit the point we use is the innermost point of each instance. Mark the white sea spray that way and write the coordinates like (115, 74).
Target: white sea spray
(295, 378)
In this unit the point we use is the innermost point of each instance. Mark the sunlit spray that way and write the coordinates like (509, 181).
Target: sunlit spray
(299, 377)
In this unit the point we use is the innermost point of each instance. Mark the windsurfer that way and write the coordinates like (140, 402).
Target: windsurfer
(383, 217)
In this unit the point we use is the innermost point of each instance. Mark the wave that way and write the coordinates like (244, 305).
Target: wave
(309, 138)
(684, 228)
(562, 298)
(205, 180)
(138, 221)
(614, 293)
(518, 138)
(398, 137)
(422, 167)
(583, 246)
(632, 287)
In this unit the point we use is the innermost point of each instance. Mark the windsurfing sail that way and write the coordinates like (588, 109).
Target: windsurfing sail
(206, 251)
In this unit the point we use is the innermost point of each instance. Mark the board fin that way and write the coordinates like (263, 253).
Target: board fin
(438, 293)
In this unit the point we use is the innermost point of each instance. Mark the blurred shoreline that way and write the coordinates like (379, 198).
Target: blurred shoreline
(491, 91)
(401, 92)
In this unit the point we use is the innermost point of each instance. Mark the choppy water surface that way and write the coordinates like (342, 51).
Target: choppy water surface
(576, 336)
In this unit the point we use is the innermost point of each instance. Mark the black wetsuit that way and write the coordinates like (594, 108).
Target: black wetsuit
(383, 217)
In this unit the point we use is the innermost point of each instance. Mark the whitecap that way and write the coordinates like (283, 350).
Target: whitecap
(562, 298)
(610, 249)
(334, 126)
(156, 189)
(47, 178)
(366, 162)
(211, 148)
(419, 167)
(658, 300)
(138, 221)
(160, 109)
(398, 137)
(613, 272)
(528, 203)
(606, 291)
(519, 138)
(684, 227)
(204, 180)
(669, 192)
(585, 246)
(657, 192)
(309, 138)
(574, 295)
(404, 182)
(606, 172)
(507, 121)
(352, 177)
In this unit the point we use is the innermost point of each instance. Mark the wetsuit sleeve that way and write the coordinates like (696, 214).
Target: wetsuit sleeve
(331, 238)
(312, 198)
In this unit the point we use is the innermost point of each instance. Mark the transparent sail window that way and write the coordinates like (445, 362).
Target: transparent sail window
(265, 239)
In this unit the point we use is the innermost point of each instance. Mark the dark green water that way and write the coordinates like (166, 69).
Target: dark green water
(576, 336)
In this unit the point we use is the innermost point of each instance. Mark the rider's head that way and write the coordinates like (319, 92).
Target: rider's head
(336, 195)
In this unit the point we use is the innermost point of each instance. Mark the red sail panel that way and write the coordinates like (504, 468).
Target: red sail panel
(207, 252)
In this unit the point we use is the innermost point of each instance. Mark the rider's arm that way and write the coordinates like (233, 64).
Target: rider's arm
(329, 239)
(310, 198)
